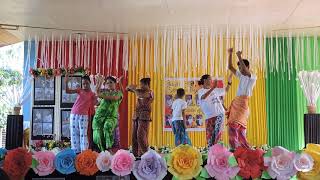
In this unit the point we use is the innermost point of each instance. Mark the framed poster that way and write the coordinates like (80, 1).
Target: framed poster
(42, 123)
(194, 115)
(44, 91)
(65, 124)
(67, 100)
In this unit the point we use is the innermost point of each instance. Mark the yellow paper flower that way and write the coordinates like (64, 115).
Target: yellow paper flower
(185, 162)
(43, 72)
(314, 151)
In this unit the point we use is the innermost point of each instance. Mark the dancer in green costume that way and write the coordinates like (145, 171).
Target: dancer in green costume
(106, 117)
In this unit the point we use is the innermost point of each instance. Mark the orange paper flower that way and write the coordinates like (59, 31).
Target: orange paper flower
(86, 163)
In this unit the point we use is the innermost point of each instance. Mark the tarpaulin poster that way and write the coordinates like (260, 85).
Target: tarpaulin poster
(194, 115)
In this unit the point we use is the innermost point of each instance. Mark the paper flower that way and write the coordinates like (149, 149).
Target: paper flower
(151, 166)
(103, 161)
(122, 163)
(3, 153)
(280, 164)
(303, 162)
(218, 163)
(250, 162)
(46, 163)
(314, 151)
(65, 161)
(86, 163)
(185, 162)
(17, 163)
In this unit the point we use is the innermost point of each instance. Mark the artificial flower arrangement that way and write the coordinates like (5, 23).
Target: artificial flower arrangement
(48, 73)
(41, 145)
(184, 162)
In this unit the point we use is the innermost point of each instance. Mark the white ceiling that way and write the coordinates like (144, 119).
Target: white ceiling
(135, 15)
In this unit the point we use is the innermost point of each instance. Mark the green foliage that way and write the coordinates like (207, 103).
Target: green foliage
(8, 79)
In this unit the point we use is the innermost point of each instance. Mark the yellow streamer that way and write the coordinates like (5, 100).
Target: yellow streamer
(256, 132)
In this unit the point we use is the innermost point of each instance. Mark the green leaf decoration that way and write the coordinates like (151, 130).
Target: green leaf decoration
(265, 175)
(35, 163)
(204, 173)
(232, 161)
(204, 156)
(166, 157)
(294, 178)
(200, 178)
(237, 178)
(268, 154)
(175, 178)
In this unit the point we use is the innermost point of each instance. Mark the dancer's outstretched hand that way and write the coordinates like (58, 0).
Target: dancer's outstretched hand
(239, 53)
(230, 78)
(120, 79)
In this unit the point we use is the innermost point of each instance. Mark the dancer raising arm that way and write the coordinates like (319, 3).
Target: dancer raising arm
(239, 109)
(142, 116)
(79, 113)
(106, 118)
(212, 107)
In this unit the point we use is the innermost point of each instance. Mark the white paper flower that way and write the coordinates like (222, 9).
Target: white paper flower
(104, 161)
(303, 162)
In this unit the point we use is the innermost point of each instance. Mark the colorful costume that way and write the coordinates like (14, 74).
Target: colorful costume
(239, 111)
(214, 128)
(105, 121)
(79, 120)
(180, 133)
(214, 111)
(141, 122)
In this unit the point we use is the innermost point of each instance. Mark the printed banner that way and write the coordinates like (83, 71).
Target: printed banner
(194, 115)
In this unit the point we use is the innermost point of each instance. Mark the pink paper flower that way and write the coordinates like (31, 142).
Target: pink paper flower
(218, 164)
(46, 163)
(280, 164)
(303, 162)
(122, 163)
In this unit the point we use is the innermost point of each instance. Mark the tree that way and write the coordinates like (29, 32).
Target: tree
(10, 92)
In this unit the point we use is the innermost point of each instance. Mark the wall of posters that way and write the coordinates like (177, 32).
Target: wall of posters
(194, 115)
(50, 119)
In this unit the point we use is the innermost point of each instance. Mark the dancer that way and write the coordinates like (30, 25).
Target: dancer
(211, 105)
(239, 109)
(79, 113)
(142, 116)
(106, 118)
(179, 125)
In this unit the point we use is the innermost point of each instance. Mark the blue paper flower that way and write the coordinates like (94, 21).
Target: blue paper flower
(3, 153)
(65, 161)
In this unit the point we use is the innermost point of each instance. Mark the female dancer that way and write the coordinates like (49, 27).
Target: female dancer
(211, 105)
(79, 114)
(106, 117)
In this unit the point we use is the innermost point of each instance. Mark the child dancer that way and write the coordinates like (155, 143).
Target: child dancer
(212, 107)
(142, 116)
(239, 108)
(79, 114)
(106, 118)
(179, 125)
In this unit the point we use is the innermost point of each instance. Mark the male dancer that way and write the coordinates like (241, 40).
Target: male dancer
(239, 109)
